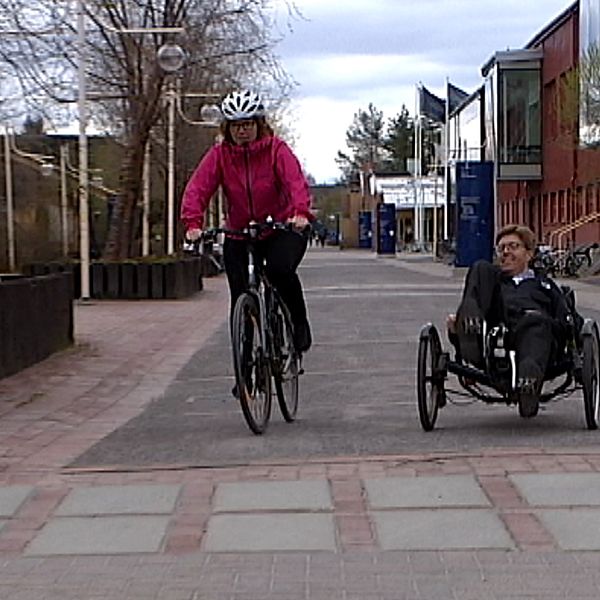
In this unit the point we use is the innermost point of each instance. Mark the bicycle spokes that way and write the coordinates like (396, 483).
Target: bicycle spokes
(252, 371)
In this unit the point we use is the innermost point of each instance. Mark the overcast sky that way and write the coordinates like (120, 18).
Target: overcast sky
(347, 53)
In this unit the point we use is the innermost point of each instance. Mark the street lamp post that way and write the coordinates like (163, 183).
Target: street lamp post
(171, 59)
(84, 210)
(64, 214)
(10, 223)
(171, 170)
(146, 202)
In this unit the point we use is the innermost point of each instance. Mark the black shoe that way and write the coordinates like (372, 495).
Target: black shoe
(529, 396)
(302, 337)
(472, 325)
(470, 339)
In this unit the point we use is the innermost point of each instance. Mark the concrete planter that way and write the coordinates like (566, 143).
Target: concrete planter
(133, 279)
(36, 319)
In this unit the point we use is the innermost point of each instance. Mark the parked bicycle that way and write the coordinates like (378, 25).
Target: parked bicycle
(565, 263)
(262, 339)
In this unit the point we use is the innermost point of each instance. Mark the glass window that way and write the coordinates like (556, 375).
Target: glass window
(589, 56)
(490, 116)
(519, 127)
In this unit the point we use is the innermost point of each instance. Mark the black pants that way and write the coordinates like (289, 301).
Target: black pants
(283, 251)
(531, 334)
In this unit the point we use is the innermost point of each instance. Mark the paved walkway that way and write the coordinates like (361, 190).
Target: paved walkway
(494, 524)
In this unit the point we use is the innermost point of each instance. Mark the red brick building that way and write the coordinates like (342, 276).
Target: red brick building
(543, 177)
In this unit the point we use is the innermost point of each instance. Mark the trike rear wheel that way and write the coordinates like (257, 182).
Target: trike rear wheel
(590, 377)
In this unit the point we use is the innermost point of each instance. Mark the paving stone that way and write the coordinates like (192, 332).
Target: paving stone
(11, 498)
(120, 499)
(573, 529)
(270, 533)
(445, 529)
(273, 495)
(425, 492)
(99, 535)
(559, 489)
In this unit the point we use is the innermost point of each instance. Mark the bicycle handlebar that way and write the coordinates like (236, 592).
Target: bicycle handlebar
(251, 232)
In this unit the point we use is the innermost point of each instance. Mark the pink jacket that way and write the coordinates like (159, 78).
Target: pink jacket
(260, 179)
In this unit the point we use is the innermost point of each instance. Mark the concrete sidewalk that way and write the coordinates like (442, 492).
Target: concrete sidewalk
(497, 524)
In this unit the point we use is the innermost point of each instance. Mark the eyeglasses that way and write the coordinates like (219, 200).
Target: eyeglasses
(239, 125)
(512, 246)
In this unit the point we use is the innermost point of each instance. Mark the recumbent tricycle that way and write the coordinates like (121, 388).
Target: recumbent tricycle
(576, 368)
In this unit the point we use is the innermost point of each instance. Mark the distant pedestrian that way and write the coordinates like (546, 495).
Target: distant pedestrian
(322, 236)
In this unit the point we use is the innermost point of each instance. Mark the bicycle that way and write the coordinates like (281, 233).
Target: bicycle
(565, 262)
(262, 340)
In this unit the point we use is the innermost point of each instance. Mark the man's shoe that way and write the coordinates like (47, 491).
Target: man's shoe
(529, 401)
(302, 337)
(472, 325)
(470, 339)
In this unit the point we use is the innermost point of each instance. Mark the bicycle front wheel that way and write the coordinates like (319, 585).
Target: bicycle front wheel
(286, 361)
(252, 370)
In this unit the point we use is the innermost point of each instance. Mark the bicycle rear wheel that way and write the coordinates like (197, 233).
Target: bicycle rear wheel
(252, 371)
(286, 361)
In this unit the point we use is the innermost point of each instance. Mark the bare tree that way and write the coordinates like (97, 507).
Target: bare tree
(227, 41)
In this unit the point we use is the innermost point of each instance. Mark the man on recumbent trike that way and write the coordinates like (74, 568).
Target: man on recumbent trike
(510, 299)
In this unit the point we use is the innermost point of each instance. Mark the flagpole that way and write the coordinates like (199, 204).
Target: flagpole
(416, 235)
(447, 160)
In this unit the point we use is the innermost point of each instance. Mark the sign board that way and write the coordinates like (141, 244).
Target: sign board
(474, 212)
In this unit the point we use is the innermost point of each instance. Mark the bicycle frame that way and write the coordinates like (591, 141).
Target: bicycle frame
(256, 277)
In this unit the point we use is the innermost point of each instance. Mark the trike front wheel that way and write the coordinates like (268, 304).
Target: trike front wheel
(430, 378)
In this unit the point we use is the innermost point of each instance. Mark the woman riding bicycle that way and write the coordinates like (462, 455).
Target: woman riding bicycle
(260, 177)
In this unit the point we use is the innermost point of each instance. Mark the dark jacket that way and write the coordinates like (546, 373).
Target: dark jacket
(538, 295)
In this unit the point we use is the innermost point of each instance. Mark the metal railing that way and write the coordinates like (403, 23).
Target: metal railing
(559, 233)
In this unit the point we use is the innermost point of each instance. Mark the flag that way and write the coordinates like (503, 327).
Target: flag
(431, 106)
(456, 97)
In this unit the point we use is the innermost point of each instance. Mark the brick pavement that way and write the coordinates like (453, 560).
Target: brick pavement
(126, 354)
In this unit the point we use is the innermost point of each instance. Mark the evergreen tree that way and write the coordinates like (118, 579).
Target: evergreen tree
(399, 141)
(366, 141)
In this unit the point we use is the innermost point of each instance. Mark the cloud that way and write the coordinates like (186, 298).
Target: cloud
(345, 54)
(341, 74)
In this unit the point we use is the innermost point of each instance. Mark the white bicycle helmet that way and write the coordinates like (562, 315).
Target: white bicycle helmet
(242, 105)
